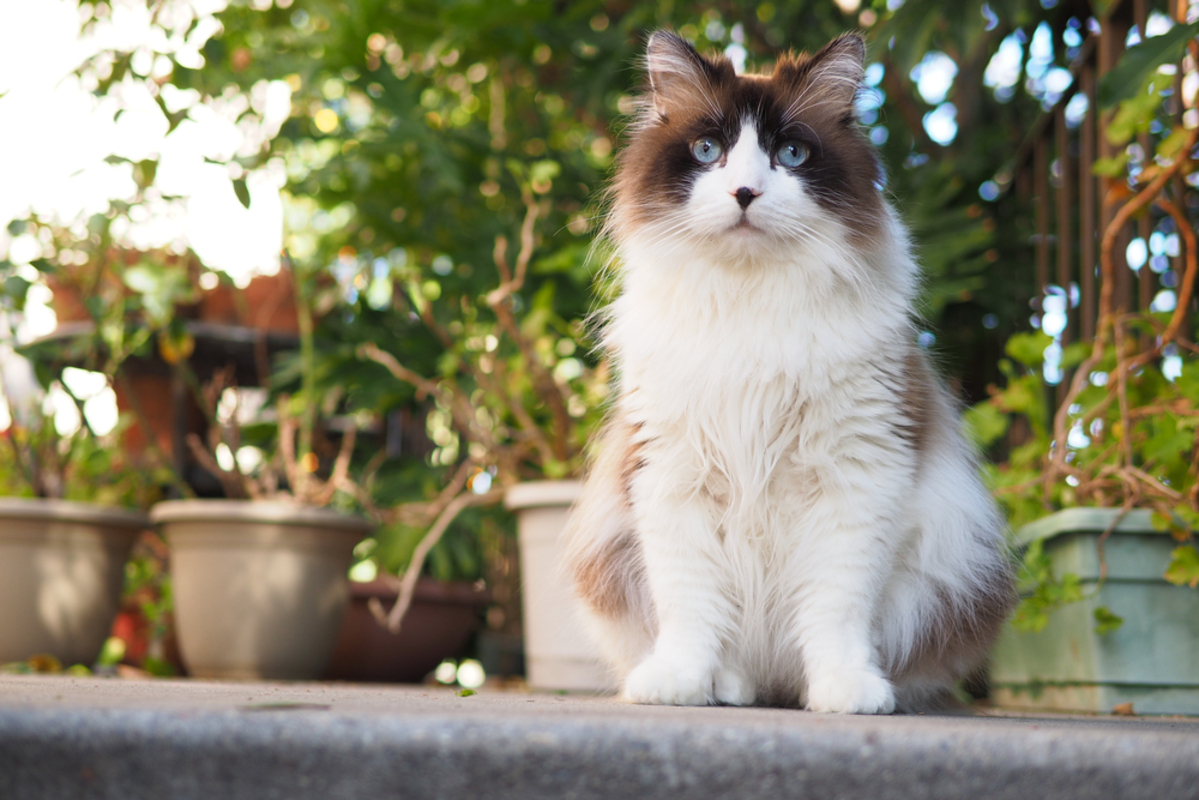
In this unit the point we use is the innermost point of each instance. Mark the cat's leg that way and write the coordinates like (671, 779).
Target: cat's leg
(844, 555)
(834, 616)
(681, 554)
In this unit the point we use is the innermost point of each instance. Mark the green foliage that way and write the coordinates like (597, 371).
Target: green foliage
(1184, 567)
(985, 424)
(1138, 65)
(38, 462)
(1106, 621)
(1041, 590)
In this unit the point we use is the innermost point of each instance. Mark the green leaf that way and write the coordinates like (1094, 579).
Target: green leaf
(1106, 621)
(1161, 522)
(1188, 515)
(1028, 348)
(466, 693)
(1136, 114)
(243, 194)
(984, 423)
(1184, 567)
(1167, 443)
(1110, 167)
(1139, 62)
(1171, 146)
(1074, 354)
(16, 288)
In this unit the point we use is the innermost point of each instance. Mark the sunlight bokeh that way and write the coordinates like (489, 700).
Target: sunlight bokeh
(58, 136)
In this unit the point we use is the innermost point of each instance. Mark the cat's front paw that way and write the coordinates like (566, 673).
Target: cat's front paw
(851, 692)
(661, 681)
(732, 688)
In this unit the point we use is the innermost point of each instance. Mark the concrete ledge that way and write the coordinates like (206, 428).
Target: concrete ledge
(74, 737)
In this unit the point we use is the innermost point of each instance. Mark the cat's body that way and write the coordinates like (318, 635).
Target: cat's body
(782, 509)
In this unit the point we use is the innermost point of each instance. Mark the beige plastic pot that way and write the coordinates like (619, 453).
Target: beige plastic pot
(558, 652)
(260, 588)
(62, 565)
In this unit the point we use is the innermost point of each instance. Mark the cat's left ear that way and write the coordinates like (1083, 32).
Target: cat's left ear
(839, 68)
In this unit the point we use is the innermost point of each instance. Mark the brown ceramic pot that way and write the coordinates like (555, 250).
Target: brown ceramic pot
(437, 626)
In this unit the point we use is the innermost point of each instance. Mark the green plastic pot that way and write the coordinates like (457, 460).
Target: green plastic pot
(1151, 660)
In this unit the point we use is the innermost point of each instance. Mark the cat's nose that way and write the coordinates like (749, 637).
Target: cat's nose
(745, 196)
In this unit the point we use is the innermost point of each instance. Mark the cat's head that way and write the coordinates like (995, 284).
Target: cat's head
(749, 163)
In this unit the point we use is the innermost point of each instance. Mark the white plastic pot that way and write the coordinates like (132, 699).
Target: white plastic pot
(62, 566)
(260, 588)
(558, 652)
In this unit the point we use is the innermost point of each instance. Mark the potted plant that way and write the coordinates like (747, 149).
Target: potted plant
(70, 513)
(1105, 527)
(260, 577)
(415, 236)
(1103, 485)
(519, 406)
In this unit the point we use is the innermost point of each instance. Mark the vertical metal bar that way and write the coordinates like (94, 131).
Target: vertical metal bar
(1065, 209)
(1114, 30)
(1145, 288)
(1040, 161)
(1065, 239)
(1140, 15)
(1086, 208)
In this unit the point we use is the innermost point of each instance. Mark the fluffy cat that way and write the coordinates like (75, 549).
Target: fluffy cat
(782, 509)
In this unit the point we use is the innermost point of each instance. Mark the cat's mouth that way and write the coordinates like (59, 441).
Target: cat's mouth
(744, 224)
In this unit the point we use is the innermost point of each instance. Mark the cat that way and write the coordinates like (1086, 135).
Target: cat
(782, 509)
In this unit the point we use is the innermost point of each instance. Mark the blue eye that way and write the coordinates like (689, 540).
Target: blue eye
(707, 151)
(792, 154)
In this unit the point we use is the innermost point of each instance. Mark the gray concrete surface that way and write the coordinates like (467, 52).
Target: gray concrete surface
(65, 737)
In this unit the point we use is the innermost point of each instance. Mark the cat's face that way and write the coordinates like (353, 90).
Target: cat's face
(748, 163)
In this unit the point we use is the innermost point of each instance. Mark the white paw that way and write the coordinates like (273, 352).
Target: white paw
(733, 688)
(851, 692)
(660, 681)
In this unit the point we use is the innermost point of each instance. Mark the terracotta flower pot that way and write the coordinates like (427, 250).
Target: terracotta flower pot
(61, 573)
(260, 588)
(437, 626)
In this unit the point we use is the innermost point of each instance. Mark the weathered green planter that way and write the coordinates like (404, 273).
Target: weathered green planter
(1151, 661)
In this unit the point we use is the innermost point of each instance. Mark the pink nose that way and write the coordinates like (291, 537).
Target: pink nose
(745, 196)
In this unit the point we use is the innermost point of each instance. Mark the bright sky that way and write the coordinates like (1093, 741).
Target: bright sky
(56, 136)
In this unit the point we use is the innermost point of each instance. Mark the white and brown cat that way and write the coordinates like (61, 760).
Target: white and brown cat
(782, 509)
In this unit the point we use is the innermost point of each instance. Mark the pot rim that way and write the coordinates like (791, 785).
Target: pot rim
(55, 510)
(428, 590)
(277, 512)
(1088, 519)
(533, 494)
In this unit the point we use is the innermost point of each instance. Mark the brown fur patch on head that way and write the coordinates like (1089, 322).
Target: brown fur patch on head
(809, 98)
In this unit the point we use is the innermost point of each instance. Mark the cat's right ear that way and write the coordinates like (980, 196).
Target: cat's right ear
(677, 72)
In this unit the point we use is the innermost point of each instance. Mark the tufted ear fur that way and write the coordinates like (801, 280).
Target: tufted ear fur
(678, 73)
(836, 71)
